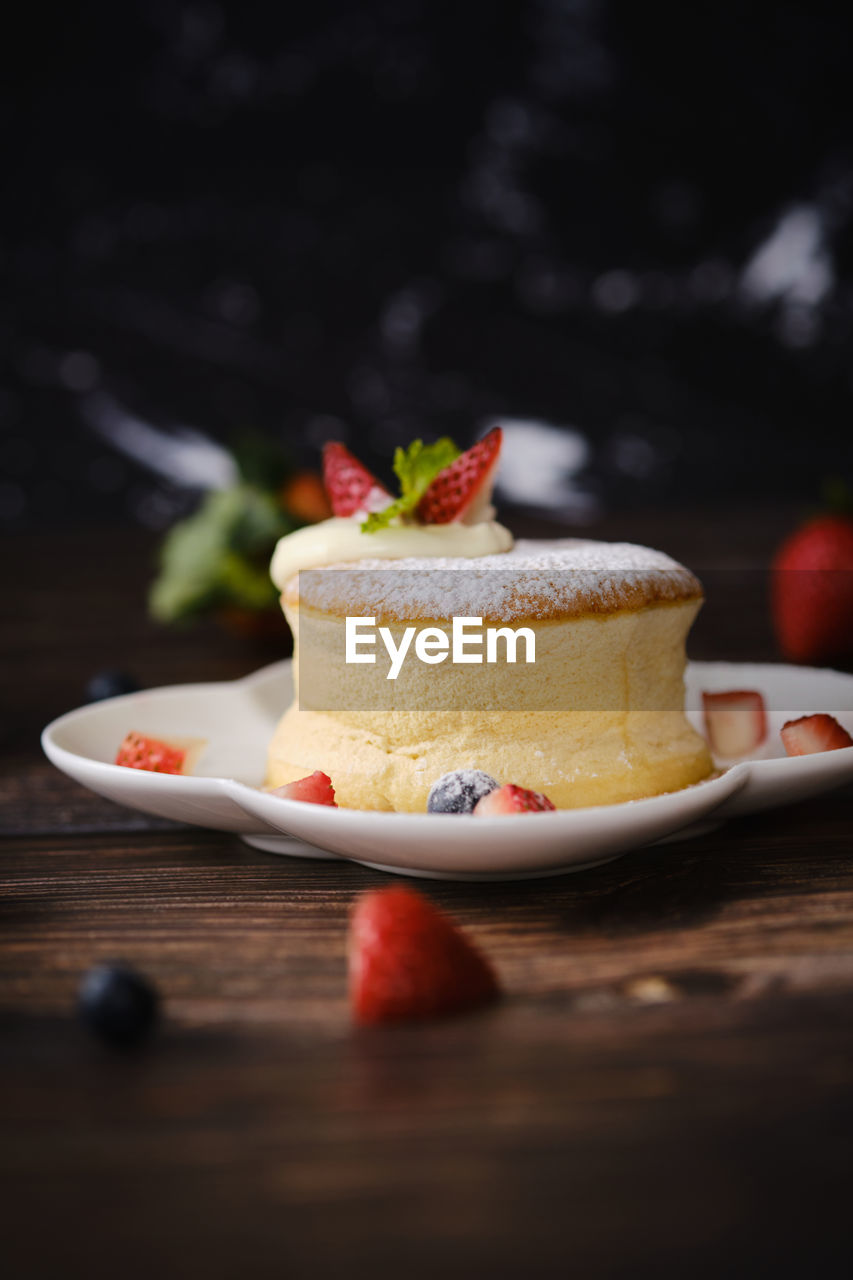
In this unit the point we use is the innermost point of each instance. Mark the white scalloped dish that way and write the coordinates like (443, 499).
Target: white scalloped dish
(237, 719)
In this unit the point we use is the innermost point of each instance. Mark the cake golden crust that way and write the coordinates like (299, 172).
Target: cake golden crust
(607, 725)
(577, 759)
(564, 579)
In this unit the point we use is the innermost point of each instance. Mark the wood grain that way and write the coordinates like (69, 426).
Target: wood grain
(664, 1089)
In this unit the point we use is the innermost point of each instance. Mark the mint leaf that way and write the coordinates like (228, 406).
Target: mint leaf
(217, 557)
(415, 468)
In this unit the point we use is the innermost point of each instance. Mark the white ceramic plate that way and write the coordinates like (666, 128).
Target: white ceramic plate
(237, 720)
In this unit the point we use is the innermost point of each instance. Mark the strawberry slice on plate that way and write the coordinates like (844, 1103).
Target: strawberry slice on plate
(138, 751)
(407, 961)
(350, 486)
(462, 491)
(315, 789)
(511, 799)
(735, 722)
(810, 734)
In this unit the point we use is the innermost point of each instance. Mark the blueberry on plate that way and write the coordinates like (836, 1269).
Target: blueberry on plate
(118, 1004)
(459, 791)
(110, 684)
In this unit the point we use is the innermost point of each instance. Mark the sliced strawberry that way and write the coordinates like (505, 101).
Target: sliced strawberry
(810, 734)
(408, 961)
(140, 752)
(463, 490)
(511, 799)
(735, 722)
(316, 789)
(350, 486)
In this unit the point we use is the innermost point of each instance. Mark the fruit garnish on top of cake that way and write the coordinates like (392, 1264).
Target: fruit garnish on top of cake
(350, 487)
(443, 508)
(438, 484)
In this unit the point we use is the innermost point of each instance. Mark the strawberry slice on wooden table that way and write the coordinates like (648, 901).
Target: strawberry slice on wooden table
(510, 799)
(811, 734)
(462, 491)
(315, 789)
(138, 751)
(349, 484)
(408, 961)
(735, 722)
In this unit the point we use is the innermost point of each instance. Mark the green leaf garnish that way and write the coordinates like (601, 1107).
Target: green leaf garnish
(415, 468)
(218, 557)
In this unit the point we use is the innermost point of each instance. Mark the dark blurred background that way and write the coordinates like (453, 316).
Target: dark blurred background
(630, 222)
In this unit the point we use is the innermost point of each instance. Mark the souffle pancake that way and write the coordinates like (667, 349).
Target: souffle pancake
(596, 718)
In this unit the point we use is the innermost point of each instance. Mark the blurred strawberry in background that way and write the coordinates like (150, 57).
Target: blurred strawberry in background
(812, 589)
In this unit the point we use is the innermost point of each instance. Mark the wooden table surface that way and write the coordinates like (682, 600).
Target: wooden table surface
(664, 1089)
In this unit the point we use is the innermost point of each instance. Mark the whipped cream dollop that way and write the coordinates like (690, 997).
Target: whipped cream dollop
(340, 541)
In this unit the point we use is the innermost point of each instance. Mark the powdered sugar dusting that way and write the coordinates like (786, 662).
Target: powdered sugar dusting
(535, 579)
(562, 554)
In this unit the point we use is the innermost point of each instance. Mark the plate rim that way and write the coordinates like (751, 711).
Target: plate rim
(714, 798)
(143, 778)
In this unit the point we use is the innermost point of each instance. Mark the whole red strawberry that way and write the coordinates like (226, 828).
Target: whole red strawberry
(812, 591)
(408, 961)
(349, 484)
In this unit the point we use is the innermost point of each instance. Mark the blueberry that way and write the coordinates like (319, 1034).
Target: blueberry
(117, 1004)
(109, 684)
(459, 791)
